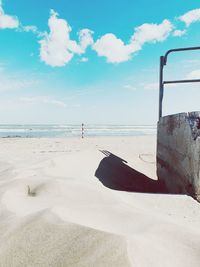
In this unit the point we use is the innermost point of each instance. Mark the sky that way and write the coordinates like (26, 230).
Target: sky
(95, 62)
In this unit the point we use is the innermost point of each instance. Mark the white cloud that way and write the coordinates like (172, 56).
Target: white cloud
(151, 86)
(13, 83)
(116, 51)
(155, 86)
(7, 21)
(191, 61)
(43, 100)
(191, 17)
(179, 33)
(195, 74)
(151, 33)
(53, 50)
(84, 59)
(56, 47)
(30, 28)
(129, 87)
(85, 39)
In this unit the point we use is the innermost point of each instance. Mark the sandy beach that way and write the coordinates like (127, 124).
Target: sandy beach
(99, 133)
(91, 202)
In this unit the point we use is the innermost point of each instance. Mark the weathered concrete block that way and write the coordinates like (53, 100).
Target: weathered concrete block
(178, 153)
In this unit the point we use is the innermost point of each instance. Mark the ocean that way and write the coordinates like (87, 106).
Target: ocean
(58, 130)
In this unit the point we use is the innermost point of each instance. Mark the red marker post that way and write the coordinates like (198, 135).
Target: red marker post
(82, 135)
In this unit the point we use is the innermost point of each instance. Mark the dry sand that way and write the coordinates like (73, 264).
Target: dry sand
(72, 218)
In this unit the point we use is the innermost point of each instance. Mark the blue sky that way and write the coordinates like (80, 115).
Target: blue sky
(95, 61)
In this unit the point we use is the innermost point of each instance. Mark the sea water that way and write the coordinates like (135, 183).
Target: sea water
(58, 130)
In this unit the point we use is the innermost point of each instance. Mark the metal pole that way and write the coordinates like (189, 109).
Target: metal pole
(163, 62)
(182, 81)
(82, 135)
(161, 86)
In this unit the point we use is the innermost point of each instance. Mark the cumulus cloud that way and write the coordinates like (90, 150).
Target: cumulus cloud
(56, 48)
(113, 48)
(191, 17)
(151, 33)
(53, 50)
(179, 33)
(85, 39)
(30, 28)
(84, 59)
(116, 51)
(195, 74)
(12, 22)
(7, 21)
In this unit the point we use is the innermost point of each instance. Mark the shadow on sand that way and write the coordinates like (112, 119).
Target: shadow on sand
(114, 173)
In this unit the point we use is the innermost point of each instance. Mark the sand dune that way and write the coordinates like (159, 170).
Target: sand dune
(72, 217)
(42, 240)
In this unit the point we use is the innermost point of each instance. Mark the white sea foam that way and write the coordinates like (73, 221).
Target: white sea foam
(75, 130)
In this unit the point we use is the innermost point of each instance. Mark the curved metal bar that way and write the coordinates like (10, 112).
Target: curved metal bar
(163, 62)
(179, 50)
